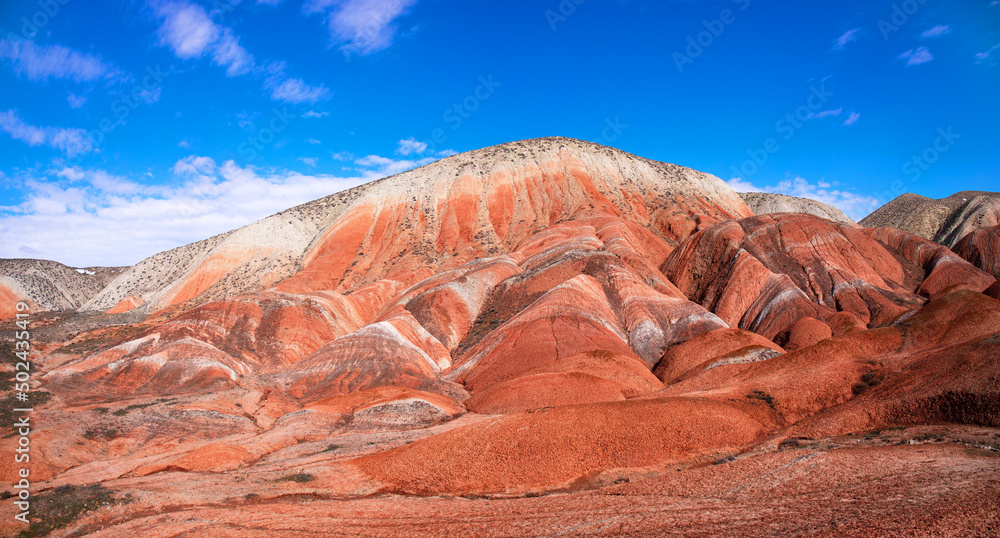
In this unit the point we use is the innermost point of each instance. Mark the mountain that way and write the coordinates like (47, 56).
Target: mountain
(452, 211)
(762, 203)
(944, 221)
(48, 285)
(542, 326)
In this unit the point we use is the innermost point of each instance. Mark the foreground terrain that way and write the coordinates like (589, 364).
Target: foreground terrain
(543, 337)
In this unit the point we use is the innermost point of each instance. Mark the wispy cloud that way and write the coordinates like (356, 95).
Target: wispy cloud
(854, 205)
(842, 41)
(361, 27)
(373, 166)
(917, 56)
(826, 113)
(296, 91)
(937, 31)
(309, 161)
(188, 30)
(314, 114)
(986, 56)
(229, 54)
(76, 101)
(70, 141)
(852, 119)
(42, 62)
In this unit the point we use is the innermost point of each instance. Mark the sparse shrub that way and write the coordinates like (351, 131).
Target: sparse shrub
(63, 505)
(868, 379)
(301, 478)
(762, 396)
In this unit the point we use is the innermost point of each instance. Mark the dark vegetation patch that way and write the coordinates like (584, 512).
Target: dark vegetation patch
(300, 478)
(868, 380)
(762, 396)
(58, 508)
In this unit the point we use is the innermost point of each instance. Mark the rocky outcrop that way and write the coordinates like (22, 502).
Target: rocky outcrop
(944, 221)
(766, 273)
(945, 271)
(763, 203)
(982, 249)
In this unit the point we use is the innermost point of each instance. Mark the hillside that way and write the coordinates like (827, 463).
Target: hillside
(762, 203)
(49, 285)
(545, 323)
(944, 221)
(446, 204)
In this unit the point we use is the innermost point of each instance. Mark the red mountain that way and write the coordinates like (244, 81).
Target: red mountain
(542, 318)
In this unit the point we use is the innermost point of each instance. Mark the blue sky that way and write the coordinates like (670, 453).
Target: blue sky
(131, 127)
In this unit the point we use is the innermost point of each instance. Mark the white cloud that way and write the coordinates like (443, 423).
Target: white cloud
(916, 57)
(70, 141)
(852, 119)
(342, 156)
(186, 28)
(738, 185)
(184, 144)
(986, 56)
(361, 26)
(937, 31)
(42, 62)
(88, 217)
(854, 205)
(848, 36)
(100, 180)
(194, 165)
(309, 161)
(411, 145)
(313, 141)
(296, 91)
(189, 31)
(314, 114)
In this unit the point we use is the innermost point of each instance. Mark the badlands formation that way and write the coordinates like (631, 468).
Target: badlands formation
(547, 337)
